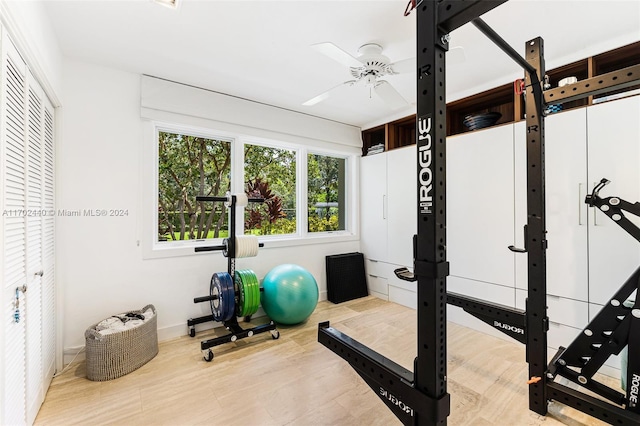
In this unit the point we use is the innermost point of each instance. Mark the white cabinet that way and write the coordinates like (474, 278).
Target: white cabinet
(373, 206)
(402, 216)
(566, 212)
(614, 153)
(388, 221)
(480, 203)
(377, 274)
(27, 328)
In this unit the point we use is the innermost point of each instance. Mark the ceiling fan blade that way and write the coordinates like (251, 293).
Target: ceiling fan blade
(337, 54)
(404, 66)
(323, 96)
(390, 95)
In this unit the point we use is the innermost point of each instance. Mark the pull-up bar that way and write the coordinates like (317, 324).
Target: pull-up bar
(502, 44)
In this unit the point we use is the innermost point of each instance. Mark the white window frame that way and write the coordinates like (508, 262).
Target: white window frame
(152, 248)
(349, 189)
(268, 143)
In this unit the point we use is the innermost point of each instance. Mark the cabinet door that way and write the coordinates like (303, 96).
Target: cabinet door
(480, 205)
(614, 153)
(373, 206)
(566, 177)
(402, 206)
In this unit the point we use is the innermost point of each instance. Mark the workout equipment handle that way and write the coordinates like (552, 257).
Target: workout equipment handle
(212, 199)
(405, 274)
(205, 298)
(519, 250)
(210, 248)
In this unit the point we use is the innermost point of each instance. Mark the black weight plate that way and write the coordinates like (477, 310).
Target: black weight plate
(228, 296)
(215, 290)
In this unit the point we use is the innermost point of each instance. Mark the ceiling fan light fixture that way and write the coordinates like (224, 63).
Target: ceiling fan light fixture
(171, 4)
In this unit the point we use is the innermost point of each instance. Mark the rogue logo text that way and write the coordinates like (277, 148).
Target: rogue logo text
(633, 393)
(391, 398)
(508, 327)
(425, 175)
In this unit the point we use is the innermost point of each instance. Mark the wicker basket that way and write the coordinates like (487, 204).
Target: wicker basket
(113, 355)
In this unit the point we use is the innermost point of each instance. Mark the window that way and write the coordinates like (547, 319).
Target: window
(325, 193)
(192, 161)
(189, 166)
(270, 173)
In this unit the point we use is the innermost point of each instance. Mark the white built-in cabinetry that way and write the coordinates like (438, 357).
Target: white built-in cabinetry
(613, 143)
(388, 221)
(27, 325)
(588, 256)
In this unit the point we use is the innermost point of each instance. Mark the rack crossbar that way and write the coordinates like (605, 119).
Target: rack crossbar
(615, 80)
(453, 14)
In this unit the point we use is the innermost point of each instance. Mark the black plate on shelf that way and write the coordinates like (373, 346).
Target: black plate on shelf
(480, 121)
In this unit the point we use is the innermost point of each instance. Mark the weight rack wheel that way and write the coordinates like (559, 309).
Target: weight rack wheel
(208, 356)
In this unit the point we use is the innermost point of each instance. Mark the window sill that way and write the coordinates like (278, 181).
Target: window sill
(186, 248)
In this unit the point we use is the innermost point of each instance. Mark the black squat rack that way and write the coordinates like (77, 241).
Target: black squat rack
(420, 397)
(225, 296)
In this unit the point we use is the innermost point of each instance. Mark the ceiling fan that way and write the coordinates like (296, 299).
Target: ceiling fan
(368, 67)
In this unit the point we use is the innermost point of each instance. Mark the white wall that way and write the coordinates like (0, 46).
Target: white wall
(100, 264)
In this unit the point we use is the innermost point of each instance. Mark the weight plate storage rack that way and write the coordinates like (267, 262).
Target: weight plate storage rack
(232, 293)
(420, 397)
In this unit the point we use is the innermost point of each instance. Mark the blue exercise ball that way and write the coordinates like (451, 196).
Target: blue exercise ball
(290, 294)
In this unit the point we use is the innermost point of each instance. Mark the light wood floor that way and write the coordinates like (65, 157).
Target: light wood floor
(296, 381)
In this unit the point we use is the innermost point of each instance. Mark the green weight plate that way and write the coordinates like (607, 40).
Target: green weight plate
(245, 295)
(255, 301)
(251, 297)
(255, 292)
(240, 276)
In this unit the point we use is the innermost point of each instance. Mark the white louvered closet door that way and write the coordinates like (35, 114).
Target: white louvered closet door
(33, 302)
(48, 259)
(13, 107)
(27, 360)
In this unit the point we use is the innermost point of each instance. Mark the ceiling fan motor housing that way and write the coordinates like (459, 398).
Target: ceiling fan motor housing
(374, 63)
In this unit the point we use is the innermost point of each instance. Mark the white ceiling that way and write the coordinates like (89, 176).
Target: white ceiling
(259, 50)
